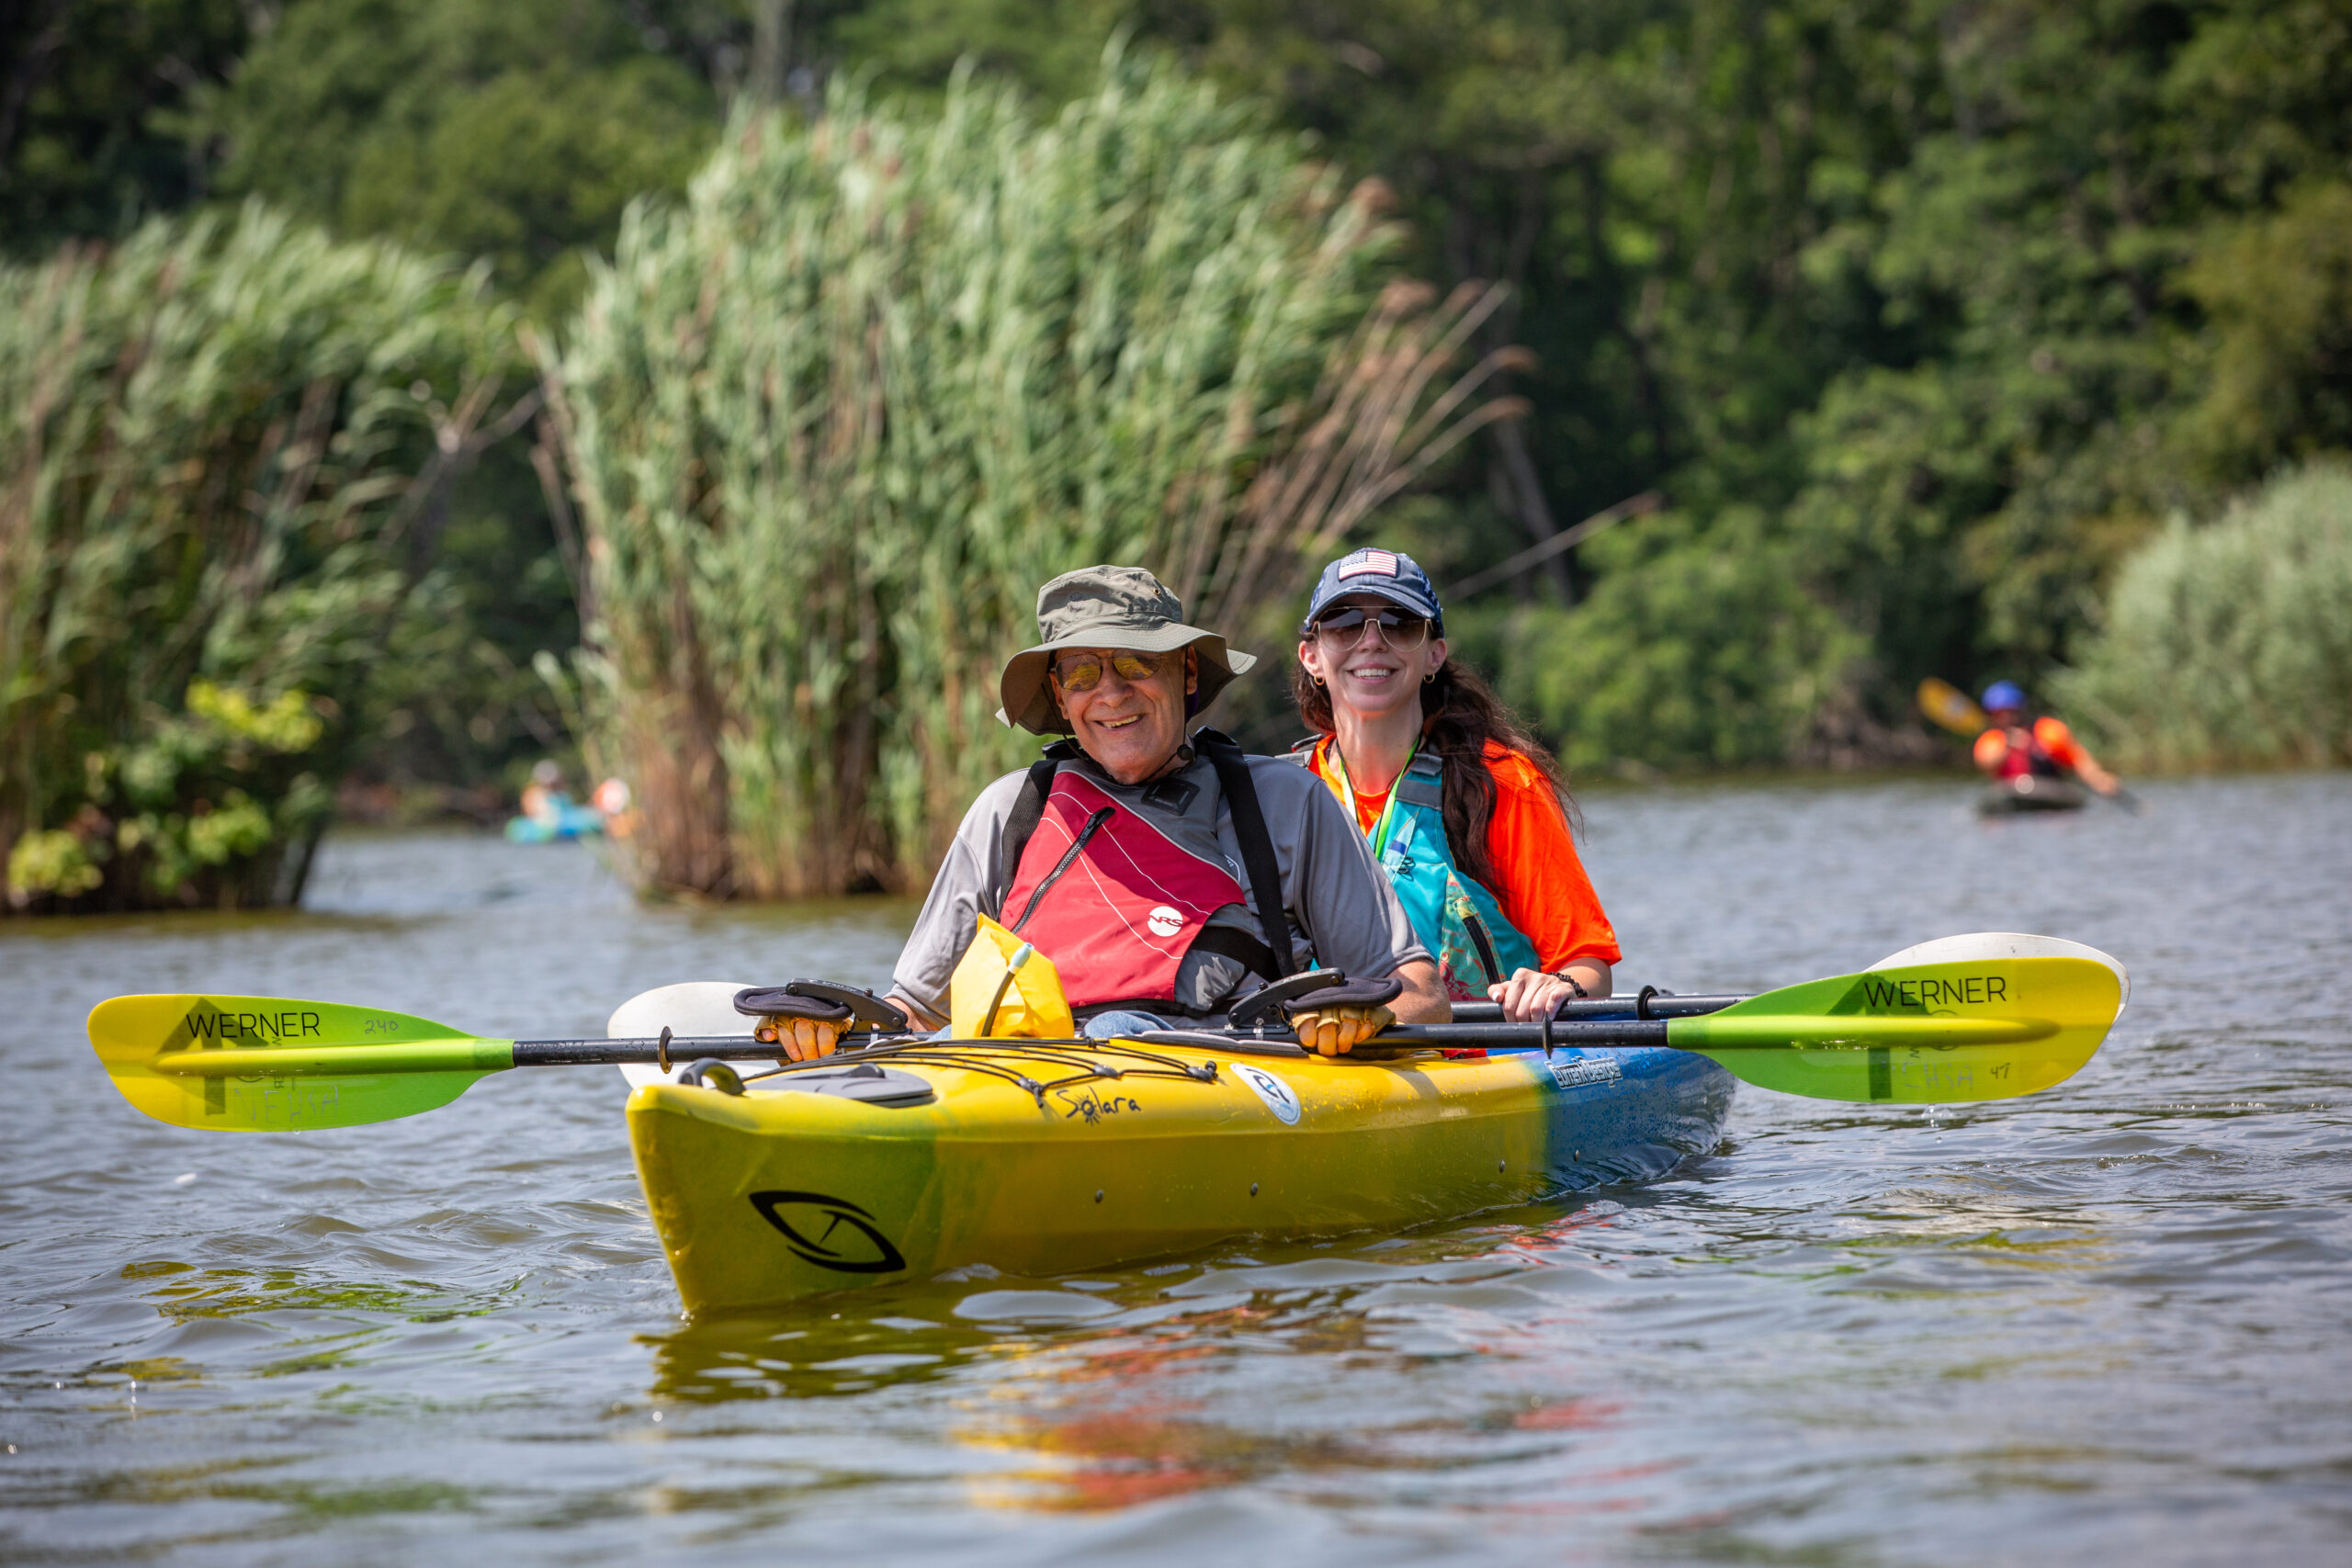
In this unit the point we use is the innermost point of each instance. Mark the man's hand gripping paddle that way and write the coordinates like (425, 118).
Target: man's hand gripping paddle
(1990, 1026)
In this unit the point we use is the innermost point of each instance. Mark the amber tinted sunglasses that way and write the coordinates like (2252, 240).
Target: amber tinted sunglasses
(1083, 671)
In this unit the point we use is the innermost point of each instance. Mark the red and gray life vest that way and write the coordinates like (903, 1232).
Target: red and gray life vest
(1111, 890)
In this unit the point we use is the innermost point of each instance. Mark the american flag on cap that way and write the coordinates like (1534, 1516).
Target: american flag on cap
(1366, 561)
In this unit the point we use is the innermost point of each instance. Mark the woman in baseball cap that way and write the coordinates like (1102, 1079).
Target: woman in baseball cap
(1465, 811)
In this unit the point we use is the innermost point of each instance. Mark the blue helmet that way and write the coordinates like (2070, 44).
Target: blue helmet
(2003, 695)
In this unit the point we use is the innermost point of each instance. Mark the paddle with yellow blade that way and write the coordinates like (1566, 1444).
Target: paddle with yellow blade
(1916, 1034)
(1984, 1027)
(1952, 709)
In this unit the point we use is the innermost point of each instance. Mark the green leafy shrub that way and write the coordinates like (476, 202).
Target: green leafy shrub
(1696, 646)
(2231, 644)
(225, 449)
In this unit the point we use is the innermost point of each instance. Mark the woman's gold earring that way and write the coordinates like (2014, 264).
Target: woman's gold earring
(1429, 679)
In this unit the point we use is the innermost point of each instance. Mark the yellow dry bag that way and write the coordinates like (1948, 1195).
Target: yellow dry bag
(1001, 972)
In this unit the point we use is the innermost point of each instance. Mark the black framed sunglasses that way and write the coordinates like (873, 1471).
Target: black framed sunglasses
(1400, 629)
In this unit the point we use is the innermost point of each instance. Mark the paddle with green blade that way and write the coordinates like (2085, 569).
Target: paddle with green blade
(1916, 1034)
(276, 1065)
(1984, 1027)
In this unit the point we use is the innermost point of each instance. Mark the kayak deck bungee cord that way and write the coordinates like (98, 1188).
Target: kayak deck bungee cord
(1094, 1059)
(902, 1154)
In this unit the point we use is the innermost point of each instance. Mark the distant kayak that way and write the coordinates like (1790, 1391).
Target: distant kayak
(2027, 792)
(566, 821)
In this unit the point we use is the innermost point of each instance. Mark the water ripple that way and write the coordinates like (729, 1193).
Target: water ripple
(2104, 1323)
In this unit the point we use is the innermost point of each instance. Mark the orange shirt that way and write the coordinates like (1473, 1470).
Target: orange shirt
(1545, 890)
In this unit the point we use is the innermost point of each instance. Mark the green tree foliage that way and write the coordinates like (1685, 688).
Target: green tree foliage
(227, 447)
(1937, 308)
(2231, 644)
(2278, 290)
(94, 99)
(515, 130)
(833, 422)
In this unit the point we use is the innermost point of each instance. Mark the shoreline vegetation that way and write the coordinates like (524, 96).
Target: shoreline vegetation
(229, 443)
(831, 422)
(1899, 345)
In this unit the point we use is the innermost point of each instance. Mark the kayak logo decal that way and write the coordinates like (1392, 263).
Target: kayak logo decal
(828, 1247)
(1272, 1090)
(1087, 1104)
(1584, 1070)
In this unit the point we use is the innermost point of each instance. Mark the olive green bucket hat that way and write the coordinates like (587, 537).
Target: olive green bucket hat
(1107, 606)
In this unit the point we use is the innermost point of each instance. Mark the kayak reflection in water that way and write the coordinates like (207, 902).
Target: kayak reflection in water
(2014, 748)
(1465, 812)
(1142, 861)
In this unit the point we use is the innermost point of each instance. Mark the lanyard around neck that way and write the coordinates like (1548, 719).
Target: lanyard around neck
(1347, 793)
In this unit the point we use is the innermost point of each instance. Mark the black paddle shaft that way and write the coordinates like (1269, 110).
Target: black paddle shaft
(680, 1049)
(1567, 1032)
(1602, 1020)
(1658, 1005)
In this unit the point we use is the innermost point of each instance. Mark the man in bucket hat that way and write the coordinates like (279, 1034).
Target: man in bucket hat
(1143, 862)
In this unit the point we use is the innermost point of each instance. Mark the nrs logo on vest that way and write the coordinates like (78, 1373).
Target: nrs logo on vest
(1164, 922)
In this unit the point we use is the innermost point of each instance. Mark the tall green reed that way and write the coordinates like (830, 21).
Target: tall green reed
(225, 449)
(2231, 644)
(832, 423)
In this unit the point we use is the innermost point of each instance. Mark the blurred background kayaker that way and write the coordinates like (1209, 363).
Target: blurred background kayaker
(544, 798)
(549, 811)
(1464, 810)
(1114, 852)
(2016, 746)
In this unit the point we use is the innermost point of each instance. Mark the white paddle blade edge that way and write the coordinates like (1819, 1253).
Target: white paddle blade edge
(1978, 945)
(692, 1008)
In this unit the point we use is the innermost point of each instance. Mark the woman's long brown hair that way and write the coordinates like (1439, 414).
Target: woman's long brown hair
(1460, 714)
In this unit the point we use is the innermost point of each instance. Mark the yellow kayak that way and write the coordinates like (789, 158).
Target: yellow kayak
(1040, 1158)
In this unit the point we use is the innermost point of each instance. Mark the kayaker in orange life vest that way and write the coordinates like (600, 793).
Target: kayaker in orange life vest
(2013, 748)
(1465, 811)
(1143, 862)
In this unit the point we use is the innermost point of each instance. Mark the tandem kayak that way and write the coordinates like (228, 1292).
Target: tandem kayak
(1039, 1157)
(2028, 793)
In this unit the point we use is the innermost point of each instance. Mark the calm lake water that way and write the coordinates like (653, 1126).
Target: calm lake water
(2113, 1320)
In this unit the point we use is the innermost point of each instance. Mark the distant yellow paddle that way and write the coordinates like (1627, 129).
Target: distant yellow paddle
(1952, 707)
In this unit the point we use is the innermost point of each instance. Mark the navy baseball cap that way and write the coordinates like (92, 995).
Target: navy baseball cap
(1392, 574)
